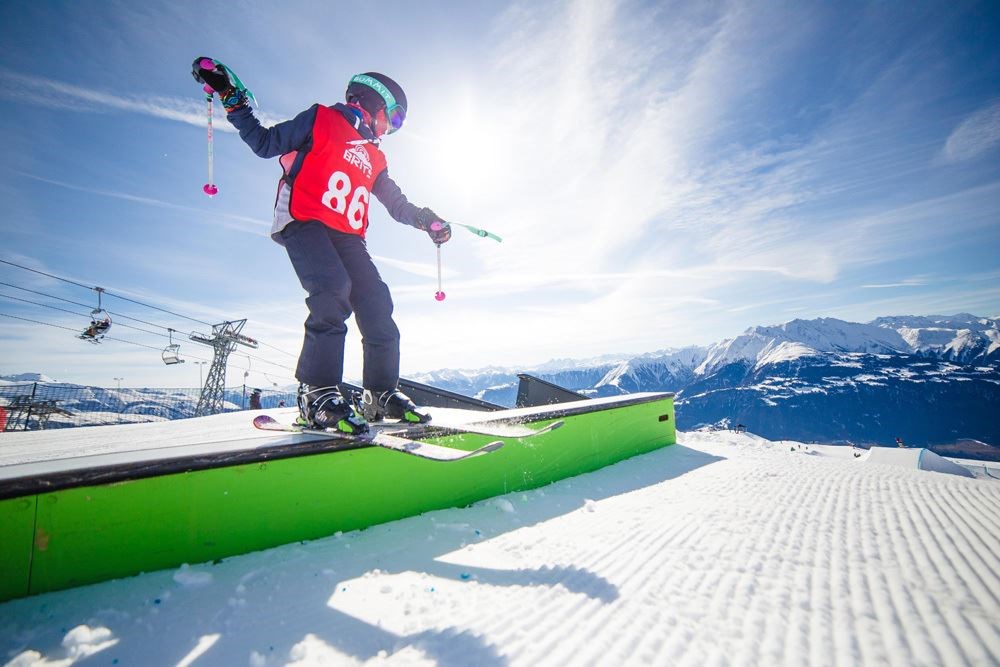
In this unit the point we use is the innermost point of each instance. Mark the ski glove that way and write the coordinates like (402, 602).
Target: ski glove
(436, 228)
(217, 78)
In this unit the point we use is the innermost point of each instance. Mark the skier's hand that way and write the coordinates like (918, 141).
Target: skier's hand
(214, 75)
(440, 232)
(436, 228)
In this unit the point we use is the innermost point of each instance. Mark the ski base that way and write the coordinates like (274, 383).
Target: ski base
(423, 450)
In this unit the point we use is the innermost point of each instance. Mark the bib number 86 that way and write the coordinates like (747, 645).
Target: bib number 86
(338, 197)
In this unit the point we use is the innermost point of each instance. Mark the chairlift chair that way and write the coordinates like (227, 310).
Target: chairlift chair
(171, 353)
(100, 322)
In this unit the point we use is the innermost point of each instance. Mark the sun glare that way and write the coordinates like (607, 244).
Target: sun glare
(472, 159)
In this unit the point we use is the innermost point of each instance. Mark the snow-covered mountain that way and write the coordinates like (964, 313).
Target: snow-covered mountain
(929, 380)
(26, 377)
(932, 381)
(962, 337)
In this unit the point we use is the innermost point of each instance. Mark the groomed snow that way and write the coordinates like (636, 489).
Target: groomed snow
(723, 549)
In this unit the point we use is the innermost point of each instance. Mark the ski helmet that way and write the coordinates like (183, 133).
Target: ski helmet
(374, 92)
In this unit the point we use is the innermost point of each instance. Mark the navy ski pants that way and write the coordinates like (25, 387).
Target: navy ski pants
(337, 272)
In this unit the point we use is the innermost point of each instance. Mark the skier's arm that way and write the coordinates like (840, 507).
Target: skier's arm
(401, 210)
(282, 138)
(395, 202)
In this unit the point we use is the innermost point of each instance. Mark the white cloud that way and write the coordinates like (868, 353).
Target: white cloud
(975, 135)
(60, 95)
(229, 220)
(628, 155)
(908, 282)
(621, 157)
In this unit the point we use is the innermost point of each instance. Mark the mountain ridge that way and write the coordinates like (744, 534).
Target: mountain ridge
(816, 380)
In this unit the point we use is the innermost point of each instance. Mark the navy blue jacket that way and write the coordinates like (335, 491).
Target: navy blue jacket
(296, 135)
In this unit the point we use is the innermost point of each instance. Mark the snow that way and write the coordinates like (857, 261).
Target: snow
(924, 459)
(959, 337)
(79, 643)
(725, 548)
(964, 338)
(21, 378)
(771, 344)
(777, 352)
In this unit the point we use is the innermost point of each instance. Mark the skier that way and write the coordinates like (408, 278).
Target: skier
(96, 330)
(332, 164)
(255, 400)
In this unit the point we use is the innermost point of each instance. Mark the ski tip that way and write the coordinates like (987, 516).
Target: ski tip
(263, 419)
(485, 449)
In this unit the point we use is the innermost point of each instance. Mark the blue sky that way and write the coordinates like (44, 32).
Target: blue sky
(663, 174)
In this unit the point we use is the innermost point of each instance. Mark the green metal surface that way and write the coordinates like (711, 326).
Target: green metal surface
(17, 525)
(94, 533)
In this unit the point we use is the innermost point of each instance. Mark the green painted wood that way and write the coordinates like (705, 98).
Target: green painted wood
(94, 533)
(17, 530)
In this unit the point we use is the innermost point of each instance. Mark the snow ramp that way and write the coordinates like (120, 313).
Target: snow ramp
(78, 506)
(921, 459)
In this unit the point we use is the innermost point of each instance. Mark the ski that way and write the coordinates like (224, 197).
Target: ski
(423, 450)
(500, 429)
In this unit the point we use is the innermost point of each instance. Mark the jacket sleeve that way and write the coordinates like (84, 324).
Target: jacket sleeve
(282, 138)
(395, 202)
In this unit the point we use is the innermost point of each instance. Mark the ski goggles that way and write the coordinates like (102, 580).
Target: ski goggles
(394, 113)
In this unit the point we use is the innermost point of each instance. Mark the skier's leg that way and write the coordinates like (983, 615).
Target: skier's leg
(317, 264)
(372, 305)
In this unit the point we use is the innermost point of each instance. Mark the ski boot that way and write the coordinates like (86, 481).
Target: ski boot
(325, 408)
(394, 404)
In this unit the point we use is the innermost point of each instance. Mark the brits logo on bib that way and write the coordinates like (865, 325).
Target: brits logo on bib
(358, 156)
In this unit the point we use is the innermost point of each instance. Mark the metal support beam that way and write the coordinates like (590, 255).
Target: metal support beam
(224, 339)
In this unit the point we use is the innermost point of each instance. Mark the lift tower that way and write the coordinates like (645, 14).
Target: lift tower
(224, 339)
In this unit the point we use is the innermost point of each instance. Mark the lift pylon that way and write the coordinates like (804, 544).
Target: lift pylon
(223, 339)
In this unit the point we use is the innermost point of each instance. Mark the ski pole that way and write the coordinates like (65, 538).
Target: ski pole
(210, 188)
(439, 295)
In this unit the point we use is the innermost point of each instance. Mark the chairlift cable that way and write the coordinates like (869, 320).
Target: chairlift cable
(258, 373)
(119, 340)
(152, 333)
(163, 310)
(273, 363)
(65, 280)
(44, 305)
(152, 324)
(101, 289)
(278, 349)
(63, 310)
(48, 324)
(59, 326)
(127, 326)
(85, 305)
(51, 296)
